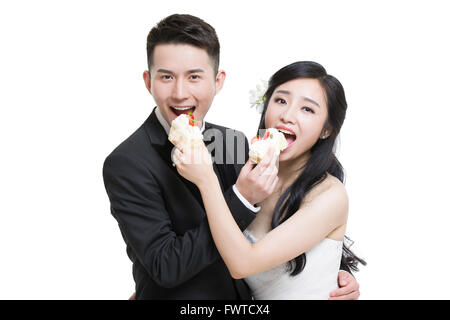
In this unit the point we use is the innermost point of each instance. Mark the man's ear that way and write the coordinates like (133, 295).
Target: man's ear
(220, 79)
(147, 80)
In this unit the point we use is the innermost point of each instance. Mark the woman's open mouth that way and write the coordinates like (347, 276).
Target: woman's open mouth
(182, 109)
(289, 135)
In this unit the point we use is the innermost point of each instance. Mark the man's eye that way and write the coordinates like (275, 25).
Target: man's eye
(166, 77)
(195, 77)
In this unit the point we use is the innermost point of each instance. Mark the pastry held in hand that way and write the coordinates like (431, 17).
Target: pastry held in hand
(260, 146)
(184, 131)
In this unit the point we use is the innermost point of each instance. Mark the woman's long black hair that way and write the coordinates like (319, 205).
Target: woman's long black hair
(322, 158)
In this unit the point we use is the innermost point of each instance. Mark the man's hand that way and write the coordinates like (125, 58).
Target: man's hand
(256, 184)
(348, 287)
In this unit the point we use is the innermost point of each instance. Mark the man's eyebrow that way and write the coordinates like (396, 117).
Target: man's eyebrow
(195, 71)
(164, 71)
(305, 98)
(188, 72)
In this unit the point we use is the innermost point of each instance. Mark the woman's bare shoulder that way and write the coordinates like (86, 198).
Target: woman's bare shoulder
(330, 188)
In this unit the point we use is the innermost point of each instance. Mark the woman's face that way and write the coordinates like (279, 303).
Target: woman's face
(298, 109)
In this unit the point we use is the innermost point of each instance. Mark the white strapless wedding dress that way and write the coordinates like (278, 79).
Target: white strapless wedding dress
(316, 281)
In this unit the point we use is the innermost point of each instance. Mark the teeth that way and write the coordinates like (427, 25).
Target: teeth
(182, 108)
(287, 132)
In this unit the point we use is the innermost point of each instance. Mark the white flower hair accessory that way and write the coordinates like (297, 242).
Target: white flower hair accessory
(257, 96)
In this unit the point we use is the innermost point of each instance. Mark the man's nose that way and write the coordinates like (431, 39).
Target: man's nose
(180, 90)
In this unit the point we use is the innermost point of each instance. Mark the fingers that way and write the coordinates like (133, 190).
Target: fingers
(270, 174)
(272, 168)
(255, 183)
(265, 163)
(352, 296)
(182, 154)
(273, 185)
(266, 172)
(344, 276)
(261, 166)
(133, 296)
(247, 167)
(274, 161)
(346, 279)
(177, 156)
(175, 140)
(343, 291)
(349, 287)
(191, 154)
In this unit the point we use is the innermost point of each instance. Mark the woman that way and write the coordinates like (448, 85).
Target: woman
(293, 248)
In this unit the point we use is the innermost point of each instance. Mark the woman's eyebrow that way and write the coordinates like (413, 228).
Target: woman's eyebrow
(283, 92)
(303, 97)
(311, 100)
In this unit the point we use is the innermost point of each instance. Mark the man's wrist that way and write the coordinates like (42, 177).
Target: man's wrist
(244, 200)
(240, 191)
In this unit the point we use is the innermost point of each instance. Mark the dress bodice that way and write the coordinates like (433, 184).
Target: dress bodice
(316, 281)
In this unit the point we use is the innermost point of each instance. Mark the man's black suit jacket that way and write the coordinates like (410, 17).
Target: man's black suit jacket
(163, 221)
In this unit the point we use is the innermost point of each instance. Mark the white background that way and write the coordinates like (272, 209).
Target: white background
(71, 90)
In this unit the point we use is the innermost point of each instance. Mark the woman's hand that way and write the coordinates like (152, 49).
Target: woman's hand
(194, 163)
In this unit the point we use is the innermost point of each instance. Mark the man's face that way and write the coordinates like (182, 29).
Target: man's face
(182, 80)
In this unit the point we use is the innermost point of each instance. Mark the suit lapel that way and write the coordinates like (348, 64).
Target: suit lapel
(163, 146)
(158, 137)
(218, 169)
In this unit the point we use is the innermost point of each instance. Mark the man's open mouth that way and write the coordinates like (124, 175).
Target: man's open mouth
(182, 109)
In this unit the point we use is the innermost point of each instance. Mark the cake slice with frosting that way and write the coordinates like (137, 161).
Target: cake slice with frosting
(260, 146)
(184, 131)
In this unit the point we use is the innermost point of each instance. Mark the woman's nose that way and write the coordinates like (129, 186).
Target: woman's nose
(288, 114)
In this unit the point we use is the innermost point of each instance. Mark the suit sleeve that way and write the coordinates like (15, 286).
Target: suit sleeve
(241, 213)
(138, 206)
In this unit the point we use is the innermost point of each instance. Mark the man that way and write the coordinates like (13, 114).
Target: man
(160, 214)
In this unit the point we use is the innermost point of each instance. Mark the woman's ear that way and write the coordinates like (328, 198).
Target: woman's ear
(326, 131)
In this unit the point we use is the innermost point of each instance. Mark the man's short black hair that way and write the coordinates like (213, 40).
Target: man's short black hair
(184, 29)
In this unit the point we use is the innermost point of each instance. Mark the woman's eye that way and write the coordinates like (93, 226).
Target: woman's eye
(280, 100)
(308, 109)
